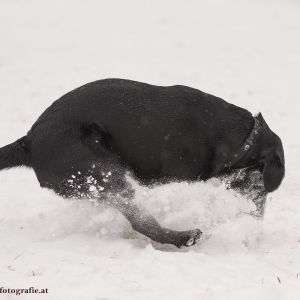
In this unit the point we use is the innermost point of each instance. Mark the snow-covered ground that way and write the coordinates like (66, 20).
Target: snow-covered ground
(247, 52)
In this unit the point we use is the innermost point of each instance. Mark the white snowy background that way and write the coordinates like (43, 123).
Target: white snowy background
(247, 52)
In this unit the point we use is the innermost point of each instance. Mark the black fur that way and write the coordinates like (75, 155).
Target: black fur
(95, 134)
(15, 154)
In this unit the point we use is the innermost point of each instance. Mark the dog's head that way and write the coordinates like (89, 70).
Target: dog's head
(271, 157)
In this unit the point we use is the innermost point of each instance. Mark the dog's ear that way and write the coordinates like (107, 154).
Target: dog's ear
(274, 170)
(262, 121)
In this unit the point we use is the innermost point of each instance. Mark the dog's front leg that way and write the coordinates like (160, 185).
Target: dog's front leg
(143, 222)
(259, 198)
(249, 183)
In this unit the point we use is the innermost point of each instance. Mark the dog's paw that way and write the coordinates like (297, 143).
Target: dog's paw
(188, 238)
(194, 237)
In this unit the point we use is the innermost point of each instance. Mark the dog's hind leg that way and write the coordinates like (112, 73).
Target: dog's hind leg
(107, 182)
(143, 222)
(91, 169)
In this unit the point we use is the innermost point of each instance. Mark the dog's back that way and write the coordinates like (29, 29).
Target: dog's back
(143, 124)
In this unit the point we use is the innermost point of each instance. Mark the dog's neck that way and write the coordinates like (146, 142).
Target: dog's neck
(248, 146)
(249, 153)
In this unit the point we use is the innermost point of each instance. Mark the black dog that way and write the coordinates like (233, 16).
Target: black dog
(85, 142)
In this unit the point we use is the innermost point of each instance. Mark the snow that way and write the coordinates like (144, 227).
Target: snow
(247, 52)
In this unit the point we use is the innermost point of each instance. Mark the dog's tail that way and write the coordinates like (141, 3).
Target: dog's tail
(15, 154)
